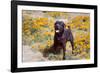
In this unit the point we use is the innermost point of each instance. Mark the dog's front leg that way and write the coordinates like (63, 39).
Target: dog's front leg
(64, 50)
(64, 54)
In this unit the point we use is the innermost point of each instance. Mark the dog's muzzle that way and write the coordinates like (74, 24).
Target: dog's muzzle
(57, 31)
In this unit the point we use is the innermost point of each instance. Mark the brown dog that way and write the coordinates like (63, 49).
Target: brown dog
(62, 35)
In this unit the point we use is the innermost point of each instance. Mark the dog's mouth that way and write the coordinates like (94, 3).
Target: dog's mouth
(57, 31)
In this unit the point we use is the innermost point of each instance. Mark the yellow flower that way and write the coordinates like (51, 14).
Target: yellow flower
(41, 21)
(32, 37)
(49, 42)
(48, 33)
(33, 46)
(42, 46)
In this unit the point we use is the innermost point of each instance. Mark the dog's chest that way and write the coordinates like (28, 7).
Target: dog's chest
(61, 39)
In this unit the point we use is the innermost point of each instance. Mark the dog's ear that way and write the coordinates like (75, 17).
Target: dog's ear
(64, 25)
(55, 22)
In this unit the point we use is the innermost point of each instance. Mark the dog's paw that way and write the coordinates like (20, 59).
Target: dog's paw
(64, 58)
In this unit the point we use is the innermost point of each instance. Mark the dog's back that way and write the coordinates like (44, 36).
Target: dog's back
(68, 34)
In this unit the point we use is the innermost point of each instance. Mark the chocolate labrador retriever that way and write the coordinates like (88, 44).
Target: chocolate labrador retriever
(62, 35)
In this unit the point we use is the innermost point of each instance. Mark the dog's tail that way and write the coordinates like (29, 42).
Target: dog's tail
(68, 27)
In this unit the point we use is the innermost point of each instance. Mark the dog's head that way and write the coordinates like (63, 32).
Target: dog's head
(59, 26)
